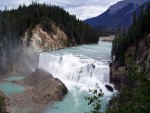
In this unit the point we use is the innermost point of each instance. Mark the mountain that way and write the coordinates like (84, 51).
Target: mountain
(119, 15)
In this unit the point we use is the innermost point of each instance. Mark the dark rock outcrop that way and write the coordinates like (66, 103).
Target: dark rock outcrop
(109, 88)
(118, 76)
(120, 81)
(46, 87)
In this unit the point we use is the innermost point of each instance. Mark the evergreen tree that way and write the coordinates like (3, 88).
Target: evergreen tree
(139, 28)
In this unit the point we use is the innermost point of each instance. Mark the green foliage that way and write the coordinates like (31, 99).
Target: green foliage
(133, 71)
(123, 40)
(47, 25)
(95, 100)
(2, 104)
(24, 17)
(135, 98)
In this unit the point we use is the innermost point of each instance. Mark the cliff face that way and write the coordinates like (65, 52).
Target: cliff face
(132, 79)
(143, 57)
(142, 52)
(35, 41)
(42, 41)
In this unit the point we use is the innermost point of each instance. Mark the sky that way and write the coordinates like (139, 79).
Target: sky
(83, 9)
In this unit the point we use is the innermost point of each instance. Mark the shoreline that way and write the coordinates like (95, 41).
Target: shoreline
(34, 99)
(24, 102)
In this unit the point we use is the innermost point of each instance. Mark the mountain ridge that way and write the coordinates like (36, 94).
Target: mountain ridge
(119, 15)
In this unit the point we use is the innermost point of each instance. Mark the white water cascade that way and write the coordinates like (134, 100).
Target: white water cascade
(80, 68)
(76, 70)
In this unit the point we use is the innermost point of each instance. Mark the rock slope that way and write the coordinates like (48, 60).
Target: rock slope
(42, 41)
(118, 74)
(48, 88)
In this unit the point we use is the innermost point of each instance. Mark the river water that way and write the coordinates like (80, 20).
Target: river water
(80, 69)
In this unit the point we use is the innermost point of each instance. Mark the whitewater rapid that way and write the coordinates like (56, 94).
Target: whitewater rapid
(75, 70)
(78, 66)
(80, 69)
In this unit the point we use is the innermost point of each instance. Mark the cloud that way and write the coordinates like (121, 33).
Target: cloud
(86, 11)
(83, 9)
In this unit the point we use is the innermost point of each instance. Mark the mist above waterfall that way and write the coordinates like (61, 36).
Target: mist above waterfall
(19, 59)
(27, 61)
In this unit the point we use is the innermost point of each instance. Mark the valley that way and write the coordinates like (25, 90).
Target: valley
(51, 61)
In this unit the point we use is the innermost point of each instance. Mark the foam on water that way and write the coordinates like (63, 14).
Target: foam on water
(80, 69)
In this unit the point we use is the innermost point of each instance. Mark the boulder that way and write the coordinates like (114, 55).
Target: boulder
(118, 76)
(46, 87)
(109, 88)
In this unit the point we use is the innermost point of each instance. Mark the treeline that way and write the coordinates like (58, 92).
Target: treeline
(14, 23)
(124, 39)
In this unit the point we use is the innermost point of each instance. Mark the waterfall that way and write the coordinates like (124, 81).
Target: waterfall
(76, 70)
(80, 68)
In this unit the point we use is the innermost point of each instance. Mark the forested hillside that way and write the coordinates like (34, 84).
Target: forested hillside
(14, 23)
(130, 70)
(139, 30)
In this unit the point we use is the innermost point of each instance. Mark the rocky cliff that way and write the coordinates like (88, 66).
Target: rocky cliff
(132, 79)
(142, 52)
(42, 41)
